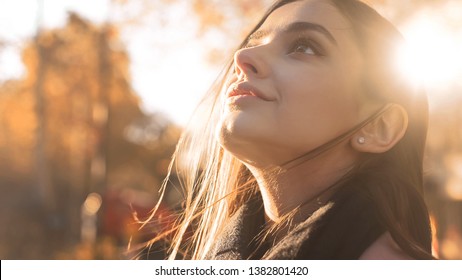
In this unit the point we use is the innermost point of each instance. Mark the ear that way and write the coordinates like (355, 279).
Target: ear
(382, 133)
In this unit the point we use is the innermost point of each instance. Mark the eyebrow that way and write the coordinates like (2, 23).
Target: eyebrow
(294, 27)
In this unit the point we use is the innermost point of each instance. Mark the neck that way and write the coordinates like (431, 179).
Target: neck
(304, 187)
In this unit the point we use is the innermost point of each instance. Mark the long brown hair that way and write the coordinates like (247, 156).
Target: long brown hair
(216, 183)
(395, 177)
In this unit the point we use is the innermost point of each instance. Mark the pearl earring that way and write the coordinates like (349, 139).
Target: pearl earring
(361, 140)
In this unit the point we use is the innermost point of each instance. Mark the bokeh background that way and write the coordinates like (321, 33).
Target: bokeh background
(94, 95)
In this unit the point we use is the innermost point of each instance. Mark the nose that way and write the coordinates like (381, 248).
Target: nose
(251, 62)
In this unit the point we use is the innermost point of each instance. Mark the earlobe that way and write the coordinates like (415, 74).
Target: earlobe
(382, 133)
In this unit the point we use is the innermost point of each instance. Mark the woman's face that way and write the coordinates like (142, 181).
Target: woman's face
(296, 85)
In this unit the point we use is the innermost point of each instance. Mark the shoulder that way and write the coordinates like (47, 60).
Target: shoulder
(384, 248)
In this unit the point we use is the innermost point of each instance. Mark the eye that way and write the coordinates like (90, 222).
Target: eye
(304, 46)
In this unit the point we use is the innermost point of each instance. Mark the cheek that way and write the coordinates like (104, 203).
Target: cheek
(318, 108)
(316, 93)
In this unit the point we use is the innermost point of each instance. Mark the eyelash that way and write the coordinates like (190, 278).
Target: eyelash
(247, 45)
(306, 42)
(301, 41)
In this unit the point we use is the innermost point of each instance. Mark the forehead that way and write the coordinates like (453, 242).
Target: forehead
(314, 11)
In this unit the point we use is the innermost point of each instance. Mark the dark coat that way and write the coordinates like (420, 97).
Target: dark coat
(341, 229)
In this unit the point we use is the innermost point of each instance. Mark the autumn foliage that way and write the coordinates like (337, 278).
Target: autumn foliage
(73, 126)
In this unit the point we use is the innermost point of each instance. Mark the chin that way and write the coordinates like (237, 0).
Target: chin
(237, 134)
(228, 131)
(238, 125)
(248, 141)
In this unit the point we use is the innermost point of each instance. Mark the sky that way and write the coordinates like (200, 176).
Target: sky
(167, 64)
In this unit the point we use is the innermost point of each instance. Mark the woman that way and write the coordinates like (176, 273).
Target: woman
(312, 148)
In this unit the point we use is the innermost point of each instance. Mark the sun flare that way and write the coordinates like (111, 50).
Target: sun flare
(432, 56)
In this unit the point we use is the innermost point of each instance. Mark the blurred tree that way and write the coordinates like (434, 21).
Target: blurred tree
(88, 108)
(227, 21)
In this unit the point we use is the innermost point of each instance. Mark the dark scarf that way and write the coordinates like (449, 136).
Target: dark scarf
(341, 229)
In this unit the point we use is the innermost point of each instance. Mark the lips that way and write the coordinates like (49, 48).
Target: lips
(246, 89)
